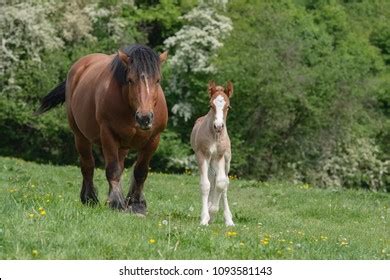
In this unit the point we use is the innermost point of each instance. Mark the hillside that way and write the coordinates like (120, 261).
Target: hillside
(42, 218)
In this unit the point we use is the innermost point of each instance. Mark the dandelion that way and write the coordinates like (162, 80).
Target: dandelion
(34, 253)
(344, 242)
(165, 222)
(231, 234)
(42, 211)
(323, 238)
(152, 241)
(264, 241)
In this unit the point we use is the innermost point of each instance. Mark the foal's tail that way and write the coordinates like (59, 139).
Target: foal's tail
(54, 98)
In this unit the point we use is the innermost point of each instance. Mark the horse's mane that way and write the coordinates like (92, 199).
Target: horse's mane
(143, 60)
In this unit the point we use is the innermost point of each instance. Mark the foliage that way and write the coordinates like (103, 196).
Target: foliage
(311, 79)
(302, 81)
(354, 165)
(194, 45)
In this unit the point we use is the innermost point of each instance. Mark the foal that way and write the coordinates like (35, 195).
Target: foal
(211, 144)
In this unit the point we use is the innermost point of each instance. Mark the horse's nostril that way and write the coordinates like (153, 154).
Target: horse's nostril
(144, 120)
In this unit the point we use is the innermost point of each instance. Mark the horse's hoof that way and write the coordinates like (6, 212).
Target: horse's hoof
(139, 209)
(116, 205)
(89, 200)
(116, 201)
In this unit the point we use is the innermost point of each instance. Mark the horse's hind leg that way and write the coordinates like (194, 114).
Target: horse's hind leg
(88, 193)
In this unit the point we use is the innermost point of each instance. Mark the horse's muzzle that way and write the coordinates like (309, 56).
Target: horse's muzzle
(145, 120)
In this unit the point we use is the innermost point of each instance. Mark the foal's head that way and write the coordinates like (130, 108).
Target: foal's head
(137, 69)
(220, 104)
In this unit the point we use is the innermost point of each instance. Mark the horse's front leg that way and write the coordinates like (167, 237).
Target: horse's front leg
(110, 147)
(135, 199)
(204, 184)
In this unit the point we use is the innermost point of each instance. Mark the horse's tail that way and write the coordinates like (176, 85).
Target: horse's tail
(54, 98)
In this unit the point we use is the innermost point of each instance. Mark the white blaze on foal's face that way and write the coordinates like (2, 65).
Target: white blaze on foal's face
(219, 103)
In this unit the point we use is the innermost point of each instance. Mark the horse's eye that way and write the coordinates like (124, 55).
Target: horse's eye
(130, 81)
(158, 81)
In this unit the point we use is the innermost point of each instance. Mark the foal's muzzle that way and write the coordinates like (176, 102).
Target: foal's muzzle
(144, 120)
(218, 127)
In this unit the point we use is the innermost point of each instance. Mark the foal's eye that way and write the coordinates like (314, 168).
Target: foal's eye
(158, 81)
(130, 81)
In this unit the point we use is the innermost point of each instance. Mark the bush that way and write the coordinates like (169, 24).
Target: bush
(355, 165)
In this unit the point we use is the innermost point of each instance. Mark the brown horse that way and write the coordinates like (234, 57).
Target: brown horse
(114, 101)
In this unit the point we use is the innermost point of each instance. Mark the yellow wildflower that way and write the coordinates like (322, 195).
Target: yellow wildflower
(344, 242)
(152, 241)
(264, 241)
(42, 211)
(231, 233)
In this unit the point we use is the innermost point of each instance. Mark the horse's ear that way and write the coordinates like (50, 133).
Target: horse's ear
(212, 88)
(163, 57)
(123, 57)
(229, 89)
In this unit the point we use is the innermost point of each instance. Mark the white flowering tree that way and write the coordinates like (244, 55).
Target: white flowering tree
(194, 46)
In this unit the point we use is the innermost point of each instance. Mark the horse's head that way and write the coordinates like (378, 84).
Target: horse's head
(220, 104)
(140, 81)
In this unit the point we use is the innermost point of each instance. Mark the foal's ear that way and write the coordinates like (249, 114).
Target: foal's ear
(123, 57)
(229, 89)
(212, 88)
(163, 57)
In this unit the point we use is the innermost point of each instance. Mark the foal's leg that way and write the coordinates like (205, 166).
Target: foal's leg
(222, 184)
(135, 199)
(226, 210)
(204, 184)
(88, 192)
(113, 168)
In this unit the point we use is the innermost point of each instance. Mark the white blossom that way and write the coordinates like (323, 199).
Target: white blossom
(194, 46)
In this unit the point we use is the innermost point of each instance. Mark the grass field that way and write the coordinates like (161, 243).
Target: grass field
(42, 218)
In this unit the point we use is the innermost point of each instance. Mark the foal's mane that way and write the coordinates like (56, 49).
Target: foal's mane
(142, 59)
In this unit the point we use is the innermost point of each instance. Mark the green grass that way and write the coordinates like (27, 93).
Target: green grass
(274, 220)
